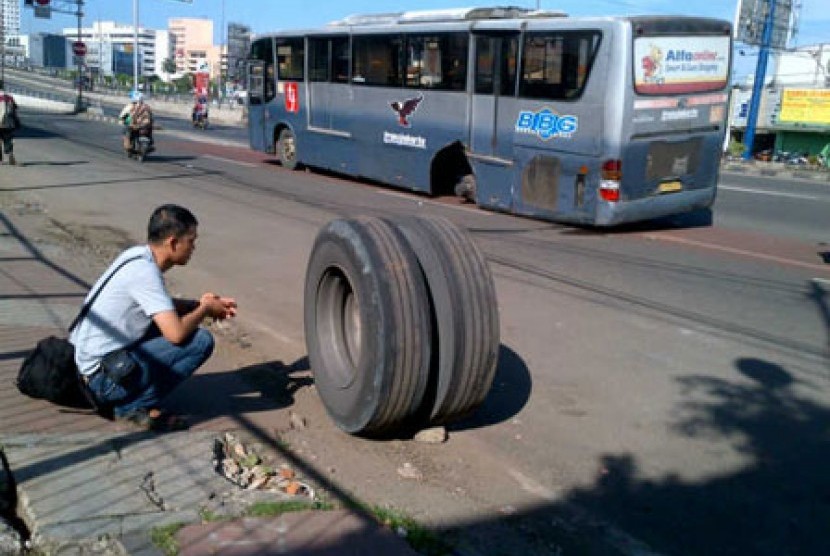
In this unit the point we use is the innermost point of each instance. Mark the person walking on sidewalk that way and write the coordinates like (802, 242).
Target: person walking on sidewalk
(9, 122)
(157, 339)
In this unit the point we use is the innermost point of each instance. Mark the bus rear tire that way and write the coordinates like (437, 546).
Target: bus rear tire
(466, 188)
(287, 149)
(367, 325)
(464, 311)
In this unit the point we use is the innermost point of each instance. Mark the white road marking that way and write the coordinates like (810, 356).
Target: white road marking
(771, 193)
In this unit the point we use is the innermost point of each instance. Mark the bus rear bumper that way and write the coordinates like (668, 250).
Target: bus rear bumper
(621, 212)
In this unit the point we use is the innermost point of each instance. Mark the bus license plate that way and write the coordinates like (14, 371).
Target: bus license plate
(670, 187)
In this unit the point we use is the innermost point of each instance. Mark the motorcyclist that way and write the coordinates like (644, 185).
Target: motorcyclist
(137, 117)
(200, 109)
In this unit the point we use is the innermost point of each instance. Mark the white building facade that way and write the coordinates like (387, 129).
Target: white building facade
(110, 48)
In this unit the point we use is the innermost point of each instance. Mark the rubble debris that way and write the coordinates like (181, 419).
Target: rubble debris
(242, 466)
(433, 435)
(409, 471)
(296, 421)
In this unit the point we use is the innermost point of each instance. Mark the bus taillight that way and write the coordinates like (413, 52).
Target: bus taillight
(609, 185)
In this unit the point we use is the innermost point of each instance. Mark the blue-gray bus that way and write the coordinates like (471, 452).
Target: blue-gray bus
(596, 121)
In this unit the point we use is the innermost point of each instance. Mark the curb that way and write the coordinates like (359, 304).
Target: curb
(783, 172)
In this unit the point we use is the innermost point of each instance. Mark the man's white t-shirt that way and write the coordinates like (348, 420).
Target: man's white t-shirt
(124, 309)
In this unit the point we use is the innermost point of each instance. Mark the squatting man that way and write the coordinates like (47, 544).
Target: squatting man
(160, 337)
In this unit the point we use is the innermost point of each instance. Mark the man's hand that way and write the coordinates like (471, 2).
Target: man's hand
(217, 307)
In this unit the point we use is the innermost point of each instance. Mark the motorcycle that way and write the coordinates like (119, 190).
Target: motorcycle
(141, 144)
(200, 119)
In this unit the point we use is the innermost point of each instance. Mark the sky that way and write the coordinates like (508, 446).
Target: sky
(272, 15)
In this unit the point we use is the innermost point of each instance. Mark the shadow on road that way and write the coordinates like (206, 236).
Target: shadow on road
(252, 389)
(510, 392)
(777, 503)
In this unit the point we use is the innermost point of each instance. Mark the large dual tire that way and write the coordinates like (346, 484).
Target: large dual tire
(367, 325)
(462, 302)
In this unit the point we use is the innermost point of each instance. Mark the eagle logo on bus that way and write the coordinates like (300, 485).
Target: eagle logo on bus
(405, 109)
(547, 124)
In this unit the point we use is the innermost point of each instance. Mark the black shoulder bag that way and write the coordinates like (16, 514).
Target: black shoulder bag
(49, 372)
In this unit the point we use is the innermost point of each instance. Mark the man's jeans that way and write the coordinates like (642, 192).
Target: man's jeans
(161, 367)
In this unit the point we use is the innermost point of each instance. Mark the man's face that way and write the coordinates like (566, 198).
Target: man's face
(183, 247)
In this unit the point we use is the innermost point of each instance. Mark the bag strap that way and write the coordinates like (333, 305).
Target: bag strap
(88, 305)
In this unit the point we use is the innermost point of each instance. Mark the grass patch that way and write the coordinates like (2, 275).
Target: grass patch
(269, 509)
(164, 537)
(419, 538)
(209, 516)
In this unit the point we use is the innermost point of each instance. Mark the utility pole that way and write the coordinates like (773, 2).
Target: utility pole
(220, 92)
(80, 59)
(135, 45)
(758, 84)
(3, 41)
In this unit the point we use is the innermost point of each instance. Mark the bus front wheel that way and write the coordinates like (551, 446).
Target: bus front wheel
(287, 149)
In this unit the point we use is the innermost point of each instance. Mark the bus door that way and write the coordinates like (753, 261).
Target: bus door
(492, 115)
(328, 74)
(256, 105)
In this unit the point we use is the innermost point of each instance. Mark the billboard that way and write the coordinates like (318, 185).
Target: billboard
(751, 15)
(805, 106)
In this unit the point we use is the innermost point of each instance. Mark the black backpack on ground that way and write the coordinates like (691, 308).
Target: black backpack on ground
(49, 372)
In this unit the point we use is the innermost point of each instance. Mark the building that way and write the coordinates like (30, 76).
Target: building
(10, 16)
(193, 46)
(111, 45)
(48, 50)
(13, 50)
(794, 112)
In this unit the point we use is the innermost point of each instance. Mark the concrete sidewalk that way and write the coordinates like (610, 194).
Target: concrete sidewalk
(88, 486)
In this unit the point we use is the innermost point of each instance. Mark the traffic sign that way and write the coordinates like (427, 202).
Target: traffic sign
(79, 49)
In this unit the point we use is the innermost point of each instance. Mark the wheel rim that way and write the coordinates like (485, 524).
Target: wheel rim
(340, 326)
(288, 149)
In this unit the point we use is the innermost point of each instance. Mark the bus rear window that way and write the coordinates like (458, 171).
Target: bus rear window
(683, 64)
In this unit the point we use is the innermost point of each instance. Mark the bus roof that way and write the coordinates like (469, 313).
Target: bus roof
(446, 15)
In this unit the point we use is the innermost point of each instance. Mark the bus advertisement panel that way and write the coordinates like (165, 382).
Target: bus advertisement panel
(666, 65)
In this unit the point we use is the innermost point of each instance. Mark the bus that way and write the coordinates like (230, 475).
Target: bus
(590, 121)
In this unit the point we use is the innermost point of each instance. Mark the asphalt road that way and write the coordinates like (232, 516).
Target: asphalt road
(661, 389)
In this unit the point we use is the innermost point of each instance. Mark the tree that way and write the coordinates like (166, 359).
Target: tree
(168, 66)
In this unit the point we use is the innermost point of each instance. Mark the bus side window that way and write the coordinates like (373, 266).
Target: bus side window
(340, 59)
(496, 63)
(290, 59)
(377, 60)
(270, 91)
(485, 72)
(318, 59)
(557, 65)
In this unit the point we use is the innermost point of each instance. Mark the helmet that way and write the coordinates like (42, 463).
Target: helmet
(136, 96)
